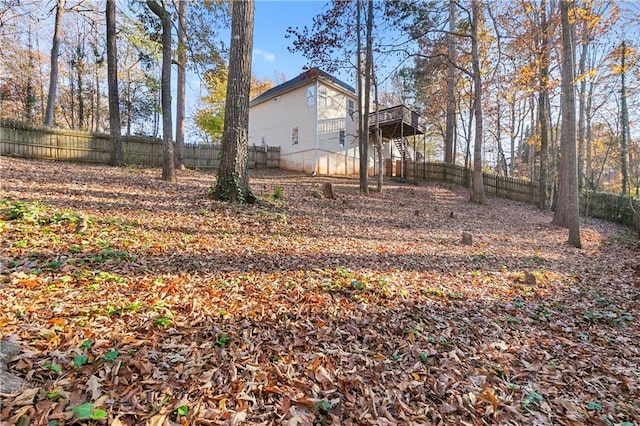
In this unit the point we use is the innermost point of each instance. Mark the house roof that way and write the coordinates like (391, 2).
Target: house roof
(304, 78)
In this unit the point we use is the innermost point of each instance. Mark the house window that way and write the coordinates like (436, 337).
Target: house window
(322, 97)
(294, 136)
(311, 96)
(351, 108)
(342, 138)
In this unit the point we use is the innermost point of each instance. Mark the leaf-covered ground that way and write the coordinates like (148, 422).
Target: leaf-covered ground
(170, 308)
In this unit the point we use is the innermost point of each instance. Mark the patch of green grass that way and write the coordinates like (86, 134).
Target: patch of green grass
(27, 212)
(432, 292)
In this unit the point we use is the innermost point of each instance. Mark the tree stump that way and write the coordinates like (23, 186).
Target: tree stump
(467, 238)
(327, 191)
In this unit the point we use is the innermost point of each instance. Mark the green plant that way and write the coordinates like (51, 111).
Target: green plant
(222, 340)
(512, 320)
(111, 355)
(277, 192)
(163, 321)
(358, 285)
(56, 394)
(27, 212)
(321, 405)
(532, 398)
(87, 411)
(86, 345)
(594, 406)
(80, 360)
(52, 366)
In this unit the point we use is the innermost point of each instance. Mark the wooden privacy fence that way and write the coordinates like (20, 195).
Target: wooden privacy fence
(612, 208)
(29, 141)
(600, 205)
(500, 186)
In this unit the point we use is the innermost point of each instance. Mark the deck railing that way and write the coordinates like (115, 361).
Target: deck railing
(398, 113)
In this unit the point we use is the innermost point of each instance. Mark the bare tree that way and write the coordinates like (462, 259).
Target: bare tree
(477, 189)
(449, 152)
(168, 164)
(543, 101)
(181, 83)
(53, 72)
(117, 156)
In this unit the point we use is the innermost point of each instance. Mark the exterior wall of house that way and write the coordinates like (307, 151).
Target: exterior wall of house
(337, 132)
(272, 122)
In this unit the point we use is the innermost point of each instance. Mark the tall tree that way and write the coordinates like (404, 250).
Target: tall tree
(168, 161)
(624, 120)
(543, 101)
(449, 153)
(477, 188)
(365, 69)
(53, 72)
(181, 83)
(567, 212)
(233, 177)
(117, 156)
(330, 44)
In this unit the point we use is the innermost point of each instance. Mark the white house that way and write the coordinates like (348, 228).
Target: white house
(313, 119)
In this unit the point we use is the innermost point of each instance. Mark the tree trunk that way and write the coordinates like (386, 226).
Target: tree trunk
(567, 212)
(79, 75)
(477, 189)
(182, 67)
(117, 156)
(451, 85)
(377, 134)
(327, 191)
(543, 97)
(168, 165)
(53, 73)
(624, 121)
(582, 67)
(364, 85)
(233, 176)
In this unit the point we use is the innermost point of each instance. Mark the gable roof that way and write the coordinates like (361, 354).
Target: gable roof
(305, 77)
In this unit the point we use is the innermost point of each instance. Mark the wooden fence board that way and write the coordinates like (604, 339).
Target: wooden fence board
(30, 141)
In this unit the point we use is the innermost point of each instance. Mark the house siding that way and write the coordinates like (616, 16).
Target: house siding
(273, 120)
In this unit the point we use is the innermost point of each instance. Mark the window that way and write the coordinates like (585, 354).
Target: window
(322, 97)
(311, 96)
(342, 138)
(294, 136)
(351, 108)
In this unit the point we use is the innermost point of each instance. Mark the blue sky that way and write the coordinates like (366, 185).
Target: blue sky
(272, 18)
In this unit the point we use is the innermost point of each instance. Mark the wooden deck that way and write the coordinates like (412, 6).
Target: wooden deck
(398, 121)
